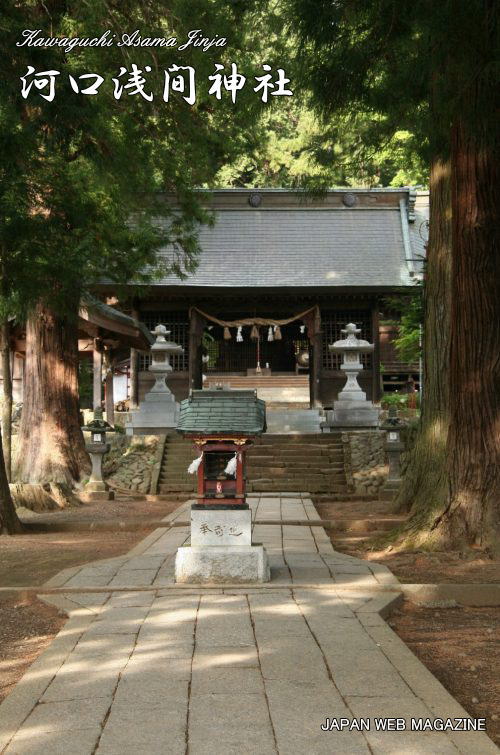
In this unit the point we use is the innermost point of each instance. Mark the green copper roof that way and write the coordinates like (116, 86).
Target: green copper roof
(214, 411)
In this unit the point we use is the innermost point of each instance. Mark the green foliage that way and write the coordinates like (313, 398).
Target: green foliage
(84, 179)
(296, 149)
(411, 317)
(408, 342)
(390, 68)
(394, 399)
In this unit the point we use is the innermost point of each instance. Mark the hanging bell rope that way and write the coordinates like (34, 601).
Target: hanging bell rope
(227, 334)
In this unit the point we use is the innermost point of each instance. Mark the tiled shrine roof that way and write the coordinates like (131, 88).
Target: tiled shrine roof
(210, 412)
(348, 239)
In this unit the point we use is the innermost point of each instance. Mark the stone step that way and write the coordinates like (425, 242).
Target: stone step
(306, 438)
(323, 463)
(183, 453)
(294, 453)
(252, 380)
(292, 458)
(172, 464)
(296, 444)
(179, 458)
(313, 476)
(281, 486)
(176, 477)
(177, 487)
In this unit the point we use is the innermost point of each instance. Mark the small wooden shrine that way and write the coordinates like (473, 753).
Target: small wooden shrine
(221, 424)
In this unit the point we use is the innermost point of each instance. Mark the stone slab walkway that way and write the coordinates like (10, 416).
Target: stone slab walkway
(144, 667)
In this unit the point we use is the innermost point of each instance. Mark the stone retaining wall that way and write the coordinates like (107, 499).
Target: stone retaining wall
(132, 462)
(364, 461)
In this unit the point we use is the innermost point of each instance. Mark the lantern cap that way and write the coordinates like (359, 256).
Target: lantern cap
(98, 424)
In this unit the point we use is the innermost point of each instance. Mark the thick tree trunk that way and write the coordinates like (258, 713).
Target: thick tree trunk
(9, 521)
(52, 448)
(423, 487)
(7, 398)
(472, 514)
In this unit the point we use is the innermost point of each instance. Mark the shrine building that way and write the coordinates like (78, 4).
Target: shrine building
(279, 276)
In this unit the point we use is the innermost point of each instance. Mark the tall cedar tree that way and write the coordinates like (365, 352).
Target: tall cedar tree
(432, 68)
(83, 180)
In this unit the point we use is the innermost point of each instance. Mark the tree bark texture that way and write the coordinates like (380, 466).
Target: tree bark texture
(7, 398)
(423, 487)
(9, 521)
(52, 447)
(472, 514)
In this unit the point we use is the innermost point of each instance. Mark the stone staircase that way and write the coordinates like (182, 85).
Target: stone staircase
(302, 463)
(177, 456)
(277, 389)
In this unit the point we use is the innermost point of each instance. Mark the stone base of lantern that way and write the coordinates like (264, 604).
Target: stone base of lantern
(221, 549)
(347, 414)
(224, 564)
(97, 490)
(97, 495)
(158, 413)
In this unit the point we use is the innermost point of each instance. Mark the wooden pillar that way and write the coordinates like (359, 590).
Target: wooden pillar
(134, 371)
(110, 393)
(201, 477)
(196, 325)
(316, 370)
(313, 324)
(134, 378)
(376, 392)
(240, 481)
(97, 374)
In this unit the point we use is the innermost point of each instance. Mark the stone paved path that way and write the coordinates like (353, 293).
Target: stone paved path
(160, 669)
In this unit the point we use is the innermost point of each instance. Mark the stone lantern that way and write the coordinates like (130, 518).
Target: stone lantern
(159, 410)
(96, 489)
(393, 446)
(161, 351)
(351, 408)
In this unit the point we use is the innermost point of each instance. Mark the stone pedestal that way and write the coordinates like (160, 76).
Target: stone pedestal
(97, 495)
(347, 414)
(159, 411)
(221, 550)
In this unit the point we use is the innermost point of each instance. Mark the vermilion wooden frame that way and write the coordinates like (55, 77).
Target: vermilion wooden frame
(231, 491)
